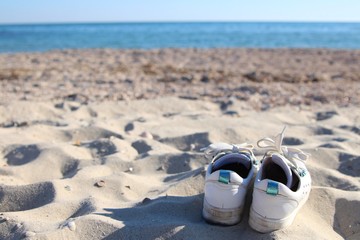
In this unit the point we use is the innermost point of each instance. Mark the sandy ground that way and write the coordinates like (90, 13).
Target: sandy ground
(263, 78)
(127, 165)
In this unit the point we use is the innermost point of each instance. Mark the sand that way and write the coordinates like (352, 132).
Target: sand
(264, 78)
(93, 167)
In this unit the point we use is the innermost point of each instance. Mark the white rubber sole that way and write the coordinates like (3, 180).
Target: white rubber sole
(222, 216)
(265, 225)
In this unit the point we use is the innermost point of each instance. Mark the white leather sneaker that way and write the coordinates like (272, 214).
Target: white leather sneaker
(227, 180)
(281, 187)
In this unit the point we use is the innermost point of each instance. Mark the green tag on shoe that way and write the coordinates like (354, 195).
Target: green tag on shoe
(272, 188)
(224, 176)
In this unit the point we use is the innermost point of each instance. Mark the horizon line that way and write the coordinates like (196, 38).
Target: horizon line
(177, 21)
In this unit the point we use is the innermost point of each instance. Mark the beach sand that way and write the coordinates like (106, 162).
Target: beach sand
(105, 144)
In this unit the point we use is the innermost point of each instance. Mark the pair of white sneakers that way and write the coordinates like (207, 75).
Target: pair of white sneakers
(281, 186)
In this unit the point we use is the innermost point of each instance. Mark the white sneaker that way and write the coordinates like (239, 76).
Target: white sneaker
(281, 187)
(227, 180)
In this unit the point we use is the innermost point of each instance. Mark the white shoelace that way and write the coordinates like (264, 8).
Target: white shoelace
(292, 155)
(214, 149)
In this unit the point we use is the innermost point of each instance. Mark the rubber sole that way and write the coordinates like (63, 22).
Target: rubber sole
(222, 216)
(266, 225)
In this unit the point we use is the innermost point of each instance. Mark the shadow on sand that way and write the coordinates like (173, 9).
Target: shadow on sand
(174, 217)
(346, 219)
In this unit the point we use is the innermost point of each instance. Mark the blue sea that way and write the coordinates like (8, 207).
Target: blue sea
(44, 37)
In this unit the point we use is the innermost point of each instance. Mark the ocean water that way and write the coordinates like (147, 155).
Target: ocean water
(44, 37)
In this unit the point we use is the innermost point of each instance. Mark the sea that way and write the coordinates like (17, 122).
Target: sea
(150, 35)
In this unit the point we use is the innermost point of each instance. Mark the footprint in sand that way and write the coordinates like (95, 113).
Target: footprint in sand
(102, 147)
(291, 141)
(320, 116)
(353, 129)
(20, 155)
(349, 164)
(330, 145)
(85, 207)
(323, 131)
(21, 198)
(141, 146)
(70, 168)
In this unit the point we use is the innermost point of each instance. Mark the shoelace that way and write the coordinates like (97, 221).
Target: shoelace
(214, 149)
(273, 145)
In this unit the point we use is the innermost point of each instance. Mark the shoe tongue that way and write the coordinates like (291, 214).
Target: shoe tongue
(282, 163)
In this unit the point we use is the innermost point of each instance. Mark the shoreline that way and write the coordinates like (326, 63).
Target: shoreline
(59, 50)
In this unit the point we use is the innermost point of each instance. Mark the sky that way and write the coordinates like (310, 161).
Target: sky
(62, 11)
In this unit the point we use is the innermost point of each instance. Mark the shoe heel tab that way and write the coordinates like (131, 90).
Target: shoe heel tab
(225, 177)
(268, 186)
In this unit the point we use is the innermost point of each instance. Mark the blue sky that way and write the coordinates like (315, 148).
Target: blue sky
(50, 11)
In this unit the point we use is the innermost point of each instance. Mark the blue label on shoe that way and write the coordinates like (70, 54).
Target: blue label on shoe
(272, 188)
(302, 172)
(224, 176)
